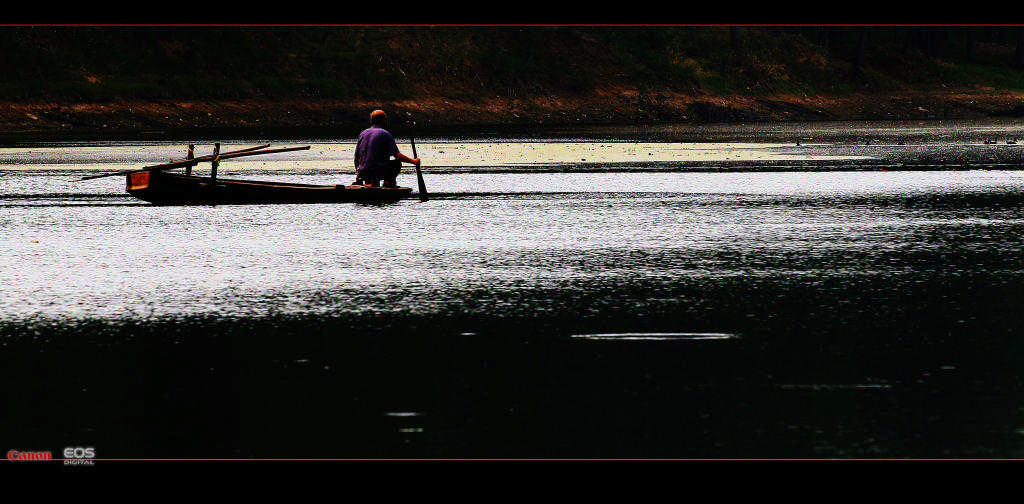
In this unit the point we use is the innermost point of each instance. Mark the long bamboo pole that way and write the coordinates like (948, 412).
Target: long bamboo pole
(249, 151)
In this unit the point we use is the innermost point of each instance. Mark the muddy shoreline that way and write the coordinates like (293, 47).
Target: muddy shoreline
(175, 119)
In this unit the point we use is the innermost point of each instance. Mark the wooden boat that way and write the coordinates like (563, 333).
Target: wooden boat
(176, 189)
(156, 185)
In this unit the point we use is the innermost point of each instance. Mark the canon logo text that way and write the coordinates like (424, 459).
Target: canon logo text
(28, 455)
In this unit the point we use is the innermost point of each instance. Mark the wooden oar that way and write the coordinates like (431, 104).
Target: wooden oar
(419, 176)
(248, 151)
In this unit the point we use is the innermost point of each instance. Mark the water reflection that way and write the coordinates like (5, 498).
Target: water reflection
(656, 336)
(242, 259)
(641, 313)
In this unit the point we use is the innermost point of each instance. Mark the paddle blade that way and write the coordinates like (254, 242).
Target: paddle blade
(419, 175)
(423, 187)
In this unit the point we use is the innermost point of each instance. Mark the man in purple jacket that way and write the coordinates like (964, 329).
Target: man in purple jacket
(373, 154)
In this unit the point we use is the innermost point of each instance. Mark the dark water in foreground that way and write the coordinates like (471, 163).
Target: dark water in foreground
(538, 314)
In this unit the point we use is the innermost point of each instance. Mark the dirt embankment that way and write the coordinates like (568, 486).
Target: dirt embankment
(610, 106)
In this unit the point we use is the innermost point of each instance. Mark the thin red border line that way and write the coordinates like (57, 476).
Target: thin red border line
(710, 460)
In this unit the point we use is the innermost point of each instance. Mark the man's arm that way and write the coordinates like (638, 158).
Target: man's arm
(407, 159)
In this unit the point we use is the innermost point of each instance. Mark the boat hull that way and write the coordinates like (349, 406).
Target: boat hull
(175, 189)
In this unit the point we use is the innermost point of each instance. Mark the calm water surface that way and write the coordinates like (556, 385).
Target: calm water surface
(538, 305)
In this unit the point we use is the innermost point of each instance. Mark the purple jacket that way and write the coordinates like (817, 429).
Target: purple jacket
(374, 148)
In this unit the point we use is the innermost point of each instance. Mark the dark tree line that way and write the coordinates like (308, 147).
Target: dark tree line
(930, 41)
